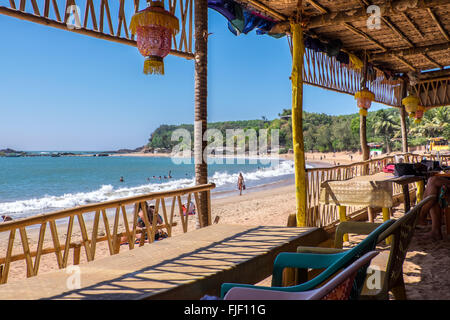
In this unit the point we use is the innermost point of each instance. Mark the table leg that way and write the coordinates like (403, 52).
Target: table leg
(370, 214)
(386, 217)
(406, 198)
(343, 217)
(420, 188)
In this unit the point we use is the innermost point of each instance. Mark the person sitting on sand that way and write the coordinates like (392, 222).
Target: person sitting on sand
(6, 218)
(159, 234)
(440, 187)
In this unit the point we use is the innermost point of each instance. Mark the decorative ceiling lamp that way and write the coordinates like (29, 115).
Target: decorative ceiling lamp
(154, 27)
(419, 114)
(410, 103)
(364, 99)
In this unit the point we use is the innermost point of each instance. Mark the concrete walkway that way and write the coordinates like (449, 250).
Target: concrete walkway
(187, 266)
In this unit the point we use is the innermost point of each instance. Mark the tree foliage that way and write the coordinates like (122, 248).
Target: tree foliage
(326, 133)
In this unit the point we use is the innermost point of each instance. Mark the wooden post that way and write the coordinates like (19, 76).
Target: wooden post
(403, 122)
(297, 127)
(362, 123)
(342, 218)
(363, 137)
(201, 93)
(386, 216)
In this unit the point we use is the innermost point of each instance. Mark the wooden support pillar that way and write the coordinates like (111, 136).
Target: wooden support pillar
(201, 93)
(362, 123)
(297, 126)
(404, 129)
(363, 138)
(403, 122)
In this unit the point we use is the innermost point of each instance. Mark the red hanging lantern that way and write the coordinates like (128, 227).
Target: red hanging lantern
(364, 99)
(419, 114)
(154, 27)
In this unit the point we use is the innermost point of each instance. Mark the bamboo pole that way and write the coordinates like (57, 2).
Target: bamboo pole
(403, 122)
(362, 124)
(297, 127)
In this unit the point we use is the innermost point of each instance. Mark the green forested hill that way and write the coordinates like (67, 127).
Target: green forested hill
(326, 133)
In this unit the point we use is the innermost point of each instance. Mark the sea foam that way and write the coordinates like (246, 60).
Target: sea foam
(223, 180)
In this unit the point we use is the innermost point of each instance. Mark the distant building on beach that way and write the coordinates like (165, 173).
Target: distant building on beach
(376, 149)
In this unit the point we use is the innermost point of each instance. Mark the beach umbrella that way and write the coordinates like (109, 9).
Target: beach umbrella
(154, 27)
(364, 99)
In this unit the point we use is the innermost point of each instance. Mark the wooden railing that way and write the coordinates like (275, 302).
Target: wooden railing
(91, 234)
(319, 215)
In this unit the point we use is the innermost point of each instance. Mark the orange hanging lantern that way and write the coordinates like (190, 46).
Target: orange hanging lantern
(154, 27)
(364, 99)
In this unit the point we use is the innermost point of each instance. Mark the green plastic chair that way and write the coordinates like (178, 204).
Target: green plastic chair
(332, 263)
(402, 231)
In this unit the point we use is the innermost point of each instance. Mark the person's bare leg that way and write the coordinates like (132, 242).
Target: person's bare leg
(436, 223)
(433, 188)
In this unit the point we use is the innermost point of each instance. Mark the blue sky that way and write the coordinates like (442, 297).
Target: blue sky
(64, 91)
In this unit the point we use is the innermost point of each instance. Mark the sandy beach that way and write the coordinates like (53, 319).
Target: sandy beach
(425, 276)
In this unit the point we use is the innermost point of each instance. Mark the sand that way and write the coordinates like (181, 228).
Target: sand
(425, 271)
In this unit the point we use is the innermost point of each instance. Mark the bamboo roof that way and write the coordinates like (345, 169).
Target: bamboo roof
(412, 41)
(414, 35)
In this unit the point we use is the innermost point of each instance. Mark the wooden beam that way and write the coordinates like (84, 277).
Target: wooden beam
(364, 35)
(92, 33)
(411, 51)
(397, 31)
(435, 74)
(439, 24)
(412, 24)
(434, 63)
(353, 15)
(406, 63)
(273, 13)
(317, 6)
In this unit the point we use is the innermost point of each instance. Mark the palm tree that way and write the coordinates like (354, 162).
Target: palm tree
(385, 125)
(201, 94)
(434, 123)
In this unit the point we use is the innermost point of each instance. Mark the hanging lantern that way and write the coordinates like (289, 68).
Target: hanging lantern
(364, 99)
(410, 103)
(154, 27)
(419, 114)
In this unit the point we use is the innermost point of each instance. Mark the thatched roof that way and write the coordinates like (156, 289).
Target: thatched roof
(413, 36)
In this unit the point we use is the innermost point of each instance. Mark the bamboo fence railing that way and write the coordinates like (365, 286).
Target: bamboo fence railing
(90, 229)
(319, 215)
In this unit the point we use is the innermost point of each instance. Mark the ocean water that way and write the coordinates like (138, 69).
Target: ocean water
(32, 185)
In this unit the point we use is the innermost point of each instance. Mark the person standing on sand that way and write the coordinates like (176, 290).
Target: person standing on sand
(241, 183)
